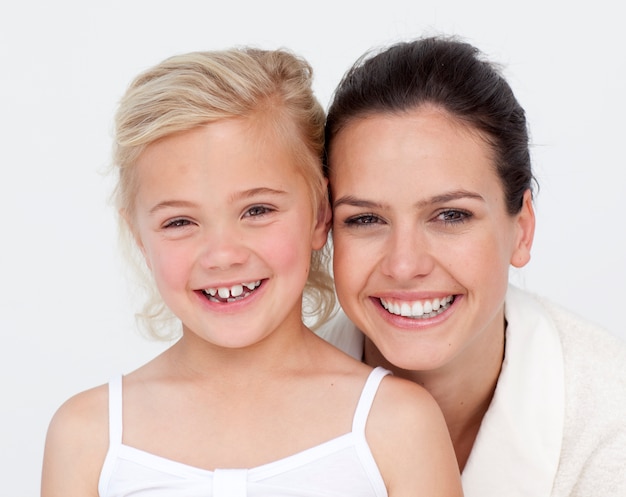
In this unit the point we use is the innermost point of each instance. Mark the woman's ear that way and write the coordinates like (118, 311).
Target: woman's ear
(525, 220)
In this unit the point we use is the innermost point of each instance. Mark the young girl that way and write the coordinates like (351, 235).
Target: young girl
(221, 186)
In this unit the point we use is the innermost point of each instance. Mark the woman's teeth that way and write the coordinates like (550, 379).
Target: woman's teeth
(230, 294)
(419, 308)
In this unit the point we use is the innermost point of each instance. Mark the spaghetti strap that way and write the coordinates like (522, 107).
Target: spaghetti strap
(115, 410)
(115, 434)
(367, 398)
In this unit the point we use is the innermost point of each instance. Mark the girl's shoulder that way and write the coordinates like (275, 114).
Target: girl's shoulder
(404, 401)
(410, 441)
(82, 413)
(76, 444)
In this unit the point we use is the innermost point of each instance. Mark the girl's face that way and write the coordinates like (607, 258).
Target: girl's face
(422, 239)
(226, 226)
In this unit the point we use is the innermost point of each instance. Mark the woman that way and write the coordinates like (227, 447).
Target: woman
(431, 185)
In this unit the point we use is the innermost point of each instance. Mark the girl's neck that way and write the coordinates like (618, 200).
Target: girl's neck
(463, 388)
(196, 358)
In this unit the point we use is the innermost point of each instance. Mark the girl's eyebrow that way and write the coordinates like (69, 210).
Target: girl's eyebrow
(353, 201)
(236, 196)
(170, 203)
(263, 190)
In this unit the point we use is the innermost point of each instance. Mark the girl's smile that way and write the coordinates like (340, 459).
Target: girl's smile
(223, 226)
(230, 294)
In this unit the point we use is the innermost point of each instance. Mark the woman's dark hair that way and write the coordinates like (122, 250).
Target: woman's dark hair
(449, 74)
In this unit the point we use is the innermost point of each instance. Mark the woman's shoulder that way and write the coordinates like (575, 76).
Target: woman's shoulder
(585, 341)
(594, 431)
(582, 340)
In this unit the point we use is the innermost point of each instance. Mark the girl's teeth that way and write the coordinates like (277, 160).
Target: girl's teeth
(233, 292)
(236, 290)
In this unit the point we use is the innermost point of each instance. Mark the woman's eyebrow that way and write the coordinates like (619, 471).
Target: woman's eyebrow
(449, 196)
(353, 201)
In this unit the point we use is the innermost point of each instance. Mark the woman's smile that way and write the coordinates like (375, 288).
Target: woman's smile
(417, 309)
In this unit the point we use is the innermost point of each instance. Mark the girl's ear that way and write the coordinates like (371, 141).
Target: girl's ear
(525, 220)
(323, 223)
(126, 219)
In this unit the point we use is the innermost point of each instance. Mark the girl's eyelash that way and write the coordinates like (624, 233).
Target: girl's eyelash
(258, 210)
(176, 223)
(254, 211)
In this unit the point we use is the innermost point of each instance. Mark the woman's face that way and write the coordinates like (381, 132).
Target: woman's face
(422, 238)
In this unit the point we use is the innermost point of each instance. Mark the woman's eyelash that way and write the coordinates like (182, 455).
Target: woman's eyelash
(454, 216)
(362, 220)
(448, 216)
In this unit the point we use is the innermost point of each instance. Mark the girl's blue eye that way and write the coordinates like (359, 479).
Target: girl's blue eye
(177, 223)
(257, 210)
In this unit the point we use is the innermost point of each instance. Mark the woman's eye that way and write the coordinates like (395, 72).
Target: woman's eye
(362, 219)
(177, 223)
(453, 216)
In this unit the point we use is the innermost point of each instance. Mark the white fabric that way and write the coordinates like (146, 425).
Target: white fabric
(557, 423)
(340, 467)
(520, 437)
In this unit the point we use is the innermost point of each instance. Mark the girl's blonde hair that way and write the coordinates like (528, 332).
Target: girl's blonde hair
(189, 90)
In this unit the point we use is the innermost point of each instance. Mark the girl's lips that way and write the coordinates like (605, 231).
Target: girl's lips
(231, 293)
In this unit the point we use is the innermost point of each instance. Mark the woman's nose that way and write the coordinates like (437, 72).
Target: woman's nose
(407, 254)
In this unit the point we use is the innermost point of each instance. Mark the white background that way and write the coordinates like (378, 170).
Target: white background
(66, 316)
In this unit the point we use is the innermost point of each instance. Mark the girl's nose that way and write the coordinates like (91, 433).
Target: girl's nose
(223, 248)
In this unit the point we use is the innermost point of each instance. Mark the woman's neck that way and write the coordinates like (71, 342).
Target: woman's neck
(463, 388)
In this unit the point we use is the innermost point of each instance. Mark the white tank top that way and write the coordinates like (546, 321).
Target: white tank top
(343, 466)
